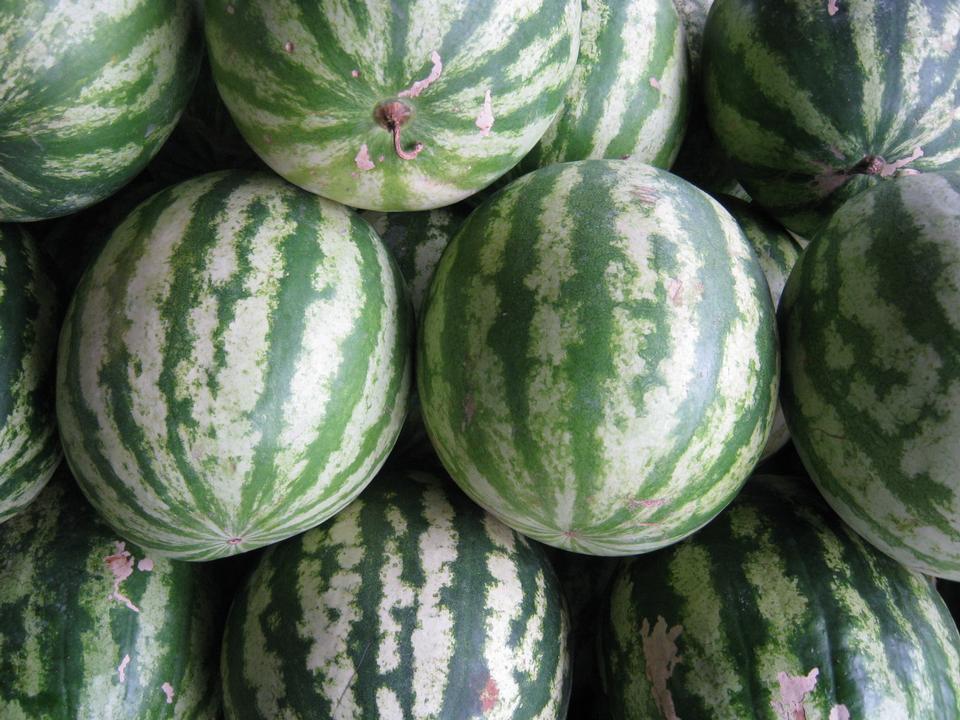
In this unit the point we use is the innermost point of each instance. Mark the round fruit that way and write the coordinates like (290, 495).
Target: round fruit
(234, 366)
(598, 360)
(871, 349)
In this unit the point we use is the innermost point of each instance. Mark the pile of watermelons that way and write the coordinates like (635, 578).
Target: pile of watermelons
(399, 374)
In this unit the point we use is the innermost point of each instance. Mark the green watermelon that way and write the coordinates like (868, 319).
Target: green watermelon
(234, 367)
(777, 611)
(411, 603)
(597, 360)
(88, 94)
(29, 319)
(871, 351)
(629, 95)
(816, 101)
(94, 627)
(393, 106)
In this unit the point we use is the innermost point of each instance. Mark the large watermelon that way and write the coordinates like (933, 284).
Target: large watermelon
(92, 627)
(89, 91)
(871, 345)
(816, 100)
(411, 603)
(29, 319)
(234, 367)
(388, 105)
(628, 95)
(777, 611)
(597, 361)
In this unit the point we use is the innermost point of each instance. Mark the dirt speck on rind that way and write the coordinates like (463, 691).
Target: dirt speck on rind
(288, 46)
(655, 84)
(145, 565)
(355, 73)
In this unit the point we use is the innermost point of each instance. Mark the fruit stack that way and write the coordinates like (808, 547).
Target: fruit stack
(480, 359)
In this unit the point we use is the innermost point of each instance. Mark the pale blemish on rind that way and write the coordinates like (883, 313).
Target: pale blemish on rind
(793, 690)
(122, 668)
(832, 7)
(121, 565)
(363, 160)
(485, 118)
(660, 655)
(168, 691)
(420, 85)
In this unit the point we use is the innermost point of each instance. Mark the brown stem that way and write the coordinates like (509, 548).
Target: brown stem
(393, 116)
(404, 154)
(869, 165)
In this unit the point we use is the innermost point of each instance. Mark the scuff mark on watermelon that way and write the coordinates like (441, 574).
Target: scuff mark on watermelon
(661, 658)
(489, 696)
(485, 118)
(122, 668)
(420, 85)
(634, 503)
(469, 410)
(839, 712)
(168, 691)
(675, 291)
(363, 160)
(888, 169)
(145, 565)
(793, 691)
(655, 84)
(121, 565)
(832, 7)
(645, 194)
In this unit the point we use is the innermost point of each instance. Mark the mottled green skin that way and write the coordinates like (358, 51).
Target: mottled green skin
(411, 603)
(871, 348)
(597, 361)
(303, 82)
(88, 96)
(29, 320)
(799, 92)
(234, 367)
(63, 635)
(778, 584)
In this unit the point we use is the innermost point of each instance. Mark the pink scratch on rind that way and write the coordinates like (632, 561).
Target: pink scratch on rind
(832, 7)
(485, 118)
(655, 84)
(168, 691)
(420, 85)
(121, 565)
(363, 160)
(122, 668)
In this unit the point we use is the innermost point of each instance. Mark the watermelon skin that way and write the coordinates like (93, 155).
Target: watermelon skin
(802, 95)
(574, 338)
(68, 589)
(29, 319)
(88, 97)
(777, 252)
(410, 603)
(482, 81)
(629, 93)
(777, 611)
(871, 347)
(234, 367)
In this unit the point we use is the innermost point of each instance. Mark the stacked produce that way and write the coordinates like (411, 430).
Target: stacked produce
(400, 374)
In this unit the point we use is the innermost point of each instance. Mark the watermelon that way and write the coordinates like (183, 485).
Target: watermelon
(29, 319)
(816, 101)
(94, 627)
(777, 252)
(597, 362)
(411, 603)
(629, 95)
(393, 107)
(234, 367)
(777, 611)
(88, 94)
(871, 348)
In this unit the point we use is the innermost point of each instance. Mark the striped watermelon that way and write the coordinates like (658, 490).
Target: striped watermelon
(88, 93)
(598, 359)
(29, 319)
(777, 252)
(234, 367)
(93, 627)
(629, 95)
(777, 611)
(871, 346)
(393, 106)
(817, 100)
(411, 603)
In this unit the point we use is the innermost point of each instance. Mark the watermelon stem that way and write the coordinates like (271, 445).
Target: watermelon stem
(393, 116)
(869, 165)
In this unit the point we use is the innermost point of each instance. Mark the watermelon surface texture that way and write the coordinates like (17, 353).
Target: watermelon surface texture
(89, 93)
(777, 611)
(816, 101)
(234, 367)
(871, 347)
(597, 361)
(29, 318)
(94, 628)
(411, 603)
(393, 106)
